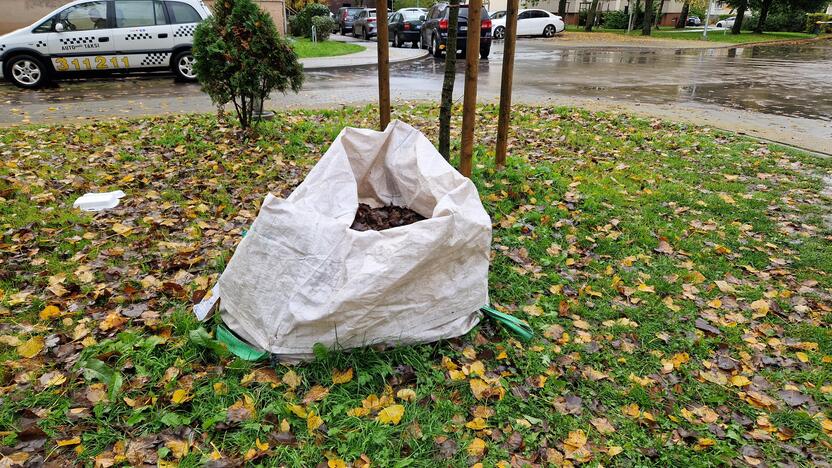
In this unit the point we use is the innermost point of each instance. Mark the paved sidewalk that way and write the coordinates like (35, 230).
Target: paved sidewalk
(369, 56)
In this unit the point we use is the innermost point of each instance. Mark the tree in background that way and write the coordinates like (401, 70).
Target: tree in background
(590, 16)
(562, 9)
(741, 6)
(298, 5)
(240, 58)
(765, 5)
(446, 101)
(682, 21)
(647, 23)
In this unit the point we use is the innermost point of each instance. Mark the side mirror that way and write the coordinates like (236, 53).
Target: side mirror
(422, 18)
(59, 27)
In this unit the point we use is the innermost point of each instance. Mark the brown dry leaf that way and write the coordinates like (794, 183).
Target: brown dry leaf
(476, 448)
(316, 393)
(111, 321)
(31, 348)
(291, 379)
(391, 415)
(533, 310)
(603, 426)
(341, 377)
(725, 287)
(10, 340)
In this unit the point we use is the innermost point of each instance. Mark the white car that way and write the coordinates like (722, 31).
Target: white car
(530, 23)
(727, 23)
(103, 36)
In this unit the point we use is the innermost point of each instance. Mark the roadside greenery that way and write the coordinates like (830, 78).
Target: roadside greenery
(724, 36)
(301, 23)
(240, 58)
(677, 278)
(306, 49)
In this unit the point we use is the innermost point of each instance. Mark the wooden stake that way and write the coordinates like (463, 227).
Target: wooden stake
(504, 118)
(469, 102)
(383, 65)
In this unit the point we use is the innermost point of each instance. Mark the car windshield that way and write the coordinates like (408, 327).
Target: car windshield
(463, 12)
(353, 12)
(410, 15)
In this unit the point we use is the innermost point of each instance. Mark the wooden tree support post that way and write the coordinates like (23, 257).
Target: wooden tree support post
(504, 118)
(383, 65)
(469, 102)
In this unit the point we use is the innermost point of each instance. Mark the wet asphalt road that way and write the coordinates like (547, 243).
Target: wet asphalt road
(783, 93)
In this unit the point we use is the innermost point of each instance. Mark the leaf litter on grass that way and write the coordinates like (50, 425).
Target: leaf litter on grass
(678, 278)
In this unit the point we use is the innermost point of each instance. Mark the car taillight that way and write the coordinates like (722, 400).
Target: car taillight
(486, 24)
(407, 25)
(443, 24)
(371, 20)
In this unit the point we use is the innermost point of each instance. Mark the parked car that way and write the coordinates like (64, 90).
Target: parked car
(346, 17)
(434, 36)
(726, 23)
(531, 23)
(365, 24)
(693, 21)
(498, 14)
(405, 26)
(103, 36)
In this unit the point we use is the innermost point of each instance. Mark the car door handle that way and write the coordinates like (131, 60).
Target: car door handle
(163, 35)
(103, 39)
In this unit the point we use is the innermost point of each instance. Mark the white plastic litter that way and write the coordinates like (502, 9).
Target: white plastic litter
(301, 276)
(98, 201)
(202, 309)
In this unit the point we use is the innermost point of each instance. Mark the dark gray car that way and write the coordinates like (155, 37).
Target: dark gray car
(346, 18)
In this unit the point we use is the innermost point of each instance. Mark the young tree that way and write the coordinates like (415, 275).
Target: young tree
(647, 24)
(448, 83)
(240, 58)
(590, 16)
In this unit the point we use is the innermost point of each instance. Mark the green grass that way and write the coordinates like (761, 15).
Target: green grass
(581, 213)
(722, 36)
(306, 49)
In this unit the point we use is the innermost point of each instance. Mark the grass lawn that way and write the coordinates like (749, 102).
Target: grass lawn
(713, 35)
(306, 49)
(678, 279)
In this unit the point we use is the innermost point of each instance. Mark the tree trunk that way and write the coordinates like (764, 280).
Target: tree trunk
(763, 15)
(683, 16)
(590, 16)
(740, 16)
(658, 18)
(648, 18)
(562, 9)
(448, 83)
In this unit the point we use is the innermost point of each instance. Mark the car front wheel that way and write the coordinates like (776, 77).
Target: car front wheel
(27, 71)
(183, 66)
(500, 32)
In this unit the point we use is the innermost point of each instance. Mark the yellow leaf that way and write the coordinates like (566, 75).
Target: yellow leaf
(341, 377)
(801, 356)
(645, 288)
(406, 394)
(469, 353)
(49, 312)
(122, 230)
(533, 310)
(614, 450)
(476, 368)
(220, 388)
(476, 424)
(358, 412)
(261, 446)
(760, 308)
(725, 287)
(298, 410)
(740, 381)
(10, 340)
(291, 379)
(668, 302)
(180, 396)
(65, 442)
(111, 321)
(178, 448)
(456, 374)
(31, 348)
(704, 443)
(336, 463)
(476, 448)
(315, 393)
(715, 303)
(391, 415)
(479, 388)
(313, 421)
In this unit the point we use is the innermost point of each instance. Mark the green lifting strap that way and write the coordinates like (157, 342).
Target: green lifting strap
(238, 347)
(517, 326)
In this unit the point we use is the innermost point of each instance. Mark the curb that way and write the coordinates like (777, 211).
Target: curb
(601, 46)
(367, 65)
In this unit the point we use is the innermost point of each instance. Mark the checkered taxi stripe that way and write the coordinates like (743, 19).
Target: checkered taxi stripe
(137, 37)
(156, 59)
(78, 40)
(2, 47)
(40, 44)
(185, 31)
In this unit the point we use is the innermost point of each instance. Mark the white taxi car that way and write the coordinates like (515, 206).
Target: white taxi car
(104, 36)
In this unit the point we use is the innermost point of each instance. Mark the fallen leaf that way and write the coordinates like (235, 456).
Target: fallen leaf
(31, 348)
(390, 415)
(341, 377)
(476, 448)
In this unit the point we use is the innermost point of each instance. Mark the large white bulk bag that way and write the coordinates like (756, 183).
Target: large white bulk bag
(301, 276)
